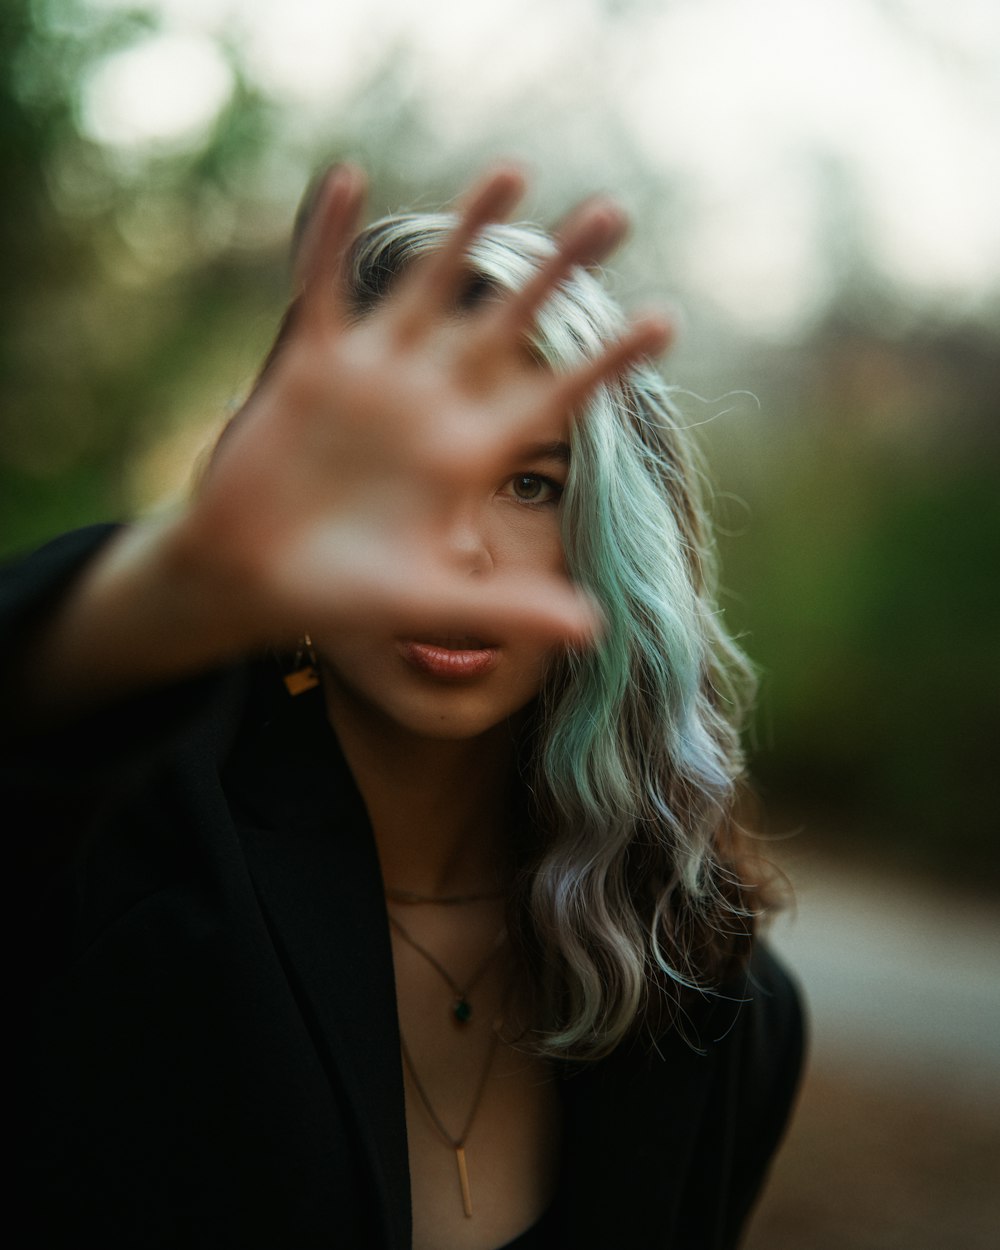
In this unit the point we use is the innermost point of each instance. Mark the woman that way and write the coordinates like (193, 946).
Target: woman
(445, 939)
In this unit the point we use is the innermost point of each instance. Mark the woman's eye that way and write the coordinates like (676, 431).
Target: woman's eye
(532, 488)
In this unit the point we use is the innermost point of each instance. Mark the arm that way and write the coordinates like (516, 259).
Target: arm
(329, 502)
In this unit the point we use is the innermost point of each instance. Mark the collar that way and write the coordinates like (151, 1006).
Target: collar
(312, 859)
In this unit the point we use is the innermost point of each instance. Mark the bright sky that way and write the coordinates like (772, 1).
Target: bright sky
(750, 102)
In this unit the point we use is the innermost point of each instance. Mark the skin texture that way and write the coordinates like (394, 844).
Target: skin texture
(333, 501)
(509, 529)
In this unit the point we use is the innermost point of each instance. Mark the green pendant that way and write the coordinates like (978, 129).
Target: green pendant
(461, 1011)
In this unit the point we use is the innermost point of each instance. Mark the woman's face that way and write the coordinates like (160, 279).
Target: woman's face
(458, 687)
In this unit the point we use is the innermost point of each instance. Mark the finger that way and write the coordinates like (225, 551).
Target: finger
(326, 240)
(588, 234)
(647, 336)
(410, 598)
(549, 396)
(507, 608)
(435, 283)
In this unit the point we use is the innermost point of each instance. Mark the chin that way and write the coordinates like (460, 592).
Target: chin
(391, 692)
(454, 724)
(433, 715)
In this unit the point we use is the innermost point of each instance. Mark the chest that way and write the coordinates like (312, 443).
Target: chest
(499, 1181)
(227, 1049)
(482, 1113)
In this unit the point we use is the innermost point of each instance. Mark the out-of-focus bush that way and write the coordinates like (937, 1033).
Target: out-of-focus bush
(142, 285)
(861, 569)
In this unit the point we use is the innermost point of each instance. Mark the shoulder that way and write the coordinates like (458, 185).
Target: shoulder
(771, 1007)
(28, 582)
(754, 1041)
(758, 1079)
(754, 1031)
(681, 1128)
(75, 765)
(59, 555)
(751, 1016)
(740, 1045)
(745, 1051)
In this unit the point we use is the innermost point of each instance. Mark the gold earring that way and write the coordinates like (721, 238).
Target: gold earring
(304, 673)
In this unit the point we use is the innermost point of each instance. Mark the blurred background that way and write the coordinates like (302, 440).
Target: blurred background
(815, 186)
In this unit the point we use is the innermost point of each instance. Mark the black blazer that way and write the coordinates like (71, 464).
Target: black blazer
(206, 1000)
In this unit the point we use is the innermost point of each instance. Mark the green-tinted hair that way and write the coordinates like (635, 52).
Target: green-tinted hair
(634, 888)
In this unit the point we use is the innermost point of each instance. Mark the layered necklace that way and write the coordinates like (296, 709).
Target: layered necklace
(461, 1008)
(461, 1013)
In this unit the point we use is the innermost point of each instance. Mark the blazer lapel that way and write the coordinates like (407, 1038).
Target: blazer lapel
(313, 862)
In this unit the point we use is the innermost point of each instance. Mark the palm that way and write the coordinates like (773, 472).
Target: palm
(338, 484)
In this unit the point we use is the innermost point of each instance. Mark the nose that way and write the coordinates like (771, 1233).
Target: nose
(468, 542)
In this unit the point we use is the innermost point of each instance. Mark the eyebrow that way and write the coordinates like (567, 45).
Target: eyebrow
(545, 451)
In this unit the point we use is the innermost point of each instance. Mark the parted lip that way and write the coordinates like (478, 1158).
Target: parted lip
(453, 643)
(450, 659)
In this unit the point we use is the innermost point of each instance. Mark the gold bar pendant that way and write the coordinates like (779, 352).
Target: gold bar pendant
(463, 1180)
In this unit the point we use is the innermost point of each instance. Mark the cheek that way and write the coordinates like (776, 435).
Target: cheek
(530, 544)
(556, 552)
(528, 667)
(355, 659)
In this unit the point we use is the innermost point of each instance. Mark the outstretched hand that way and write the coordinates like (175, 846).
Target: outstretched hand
(343, 495)
(332, 498)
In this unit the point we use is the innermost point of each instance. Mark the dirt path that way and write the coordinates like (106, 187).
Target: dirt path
(866, 1167)
(901, 981)
(896, 1142)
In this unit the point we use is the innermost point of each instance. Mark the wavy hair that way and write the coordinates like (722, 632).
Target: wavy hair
(636, 887)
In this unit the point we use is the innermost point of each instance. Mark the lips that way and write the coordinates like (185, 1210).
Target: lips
(450, 659)
(464, 643)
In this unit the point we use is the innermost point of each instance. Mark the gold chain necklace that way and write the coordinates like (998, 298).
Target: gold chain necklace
(461, 1008)
(456, 1143)
(461, 1011)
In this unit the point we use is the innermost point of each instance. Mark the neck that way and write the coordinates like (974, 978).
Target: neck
(438, 807)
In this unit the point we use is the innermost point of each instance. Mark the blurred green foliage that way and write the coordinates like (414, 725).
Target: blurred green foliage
(140, 291)
(865, 588)
(113, 303)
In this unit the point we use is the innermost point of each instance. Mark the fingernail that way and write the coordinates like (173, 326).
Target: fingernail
(510, 187)
(600, 224)
(656, 330)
